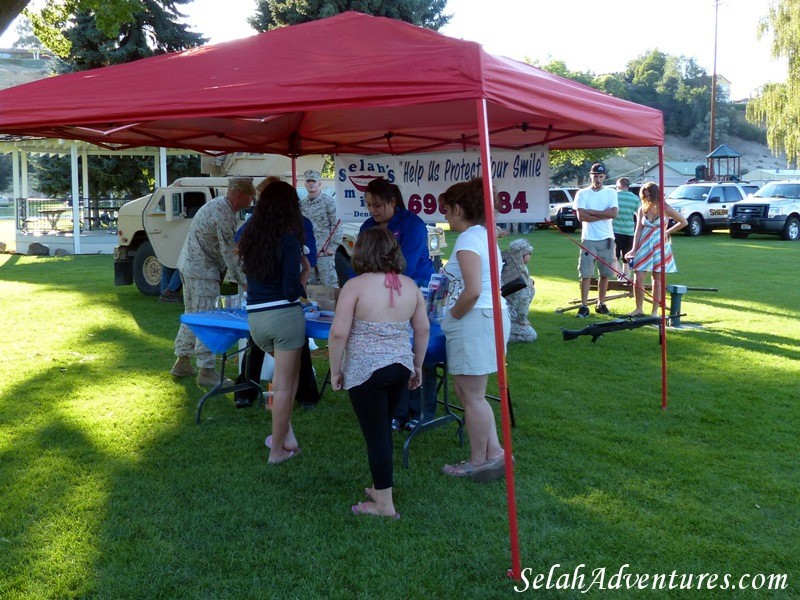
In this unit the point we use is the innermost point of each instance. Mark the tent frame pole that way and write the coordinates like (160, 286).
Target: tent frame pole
(502, 379)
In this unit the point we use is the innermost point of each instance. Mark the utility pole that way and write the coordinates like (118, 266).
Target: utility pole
(713, 123)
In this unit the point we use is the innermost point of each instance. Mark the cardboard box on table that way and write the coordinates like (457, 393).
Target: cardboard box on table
(323, 295)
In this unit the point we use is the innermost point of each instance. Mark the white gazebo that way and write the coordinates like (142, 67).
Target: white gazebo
(76, 241)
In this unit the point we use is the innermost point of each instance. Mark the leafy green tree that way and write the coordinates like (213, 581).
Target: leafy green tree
(50, 22)
(648, 70)
(612, 84)
(117, 176)
(675, 85)
(26, 38)
(559, 67)
(778, 104)
(271, 14)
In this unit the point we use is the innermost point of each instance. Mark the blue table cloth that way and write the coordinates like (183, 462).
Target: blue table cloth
(220, 329)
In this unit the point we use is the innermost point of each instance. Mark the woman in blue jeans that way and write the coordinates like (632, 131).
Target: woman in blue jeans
(371, 354)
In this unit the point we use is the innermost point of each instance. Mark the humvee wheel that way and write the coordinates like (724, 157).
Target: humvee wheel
(147, 271)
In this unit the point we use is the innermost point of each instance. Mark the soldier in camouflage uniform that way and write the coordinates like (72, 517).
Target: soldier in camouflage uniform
(320, 209)
(207, 254)
(515, 261)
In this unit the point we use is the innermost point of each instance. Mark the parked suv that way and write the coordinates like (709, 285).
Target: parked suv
(706, 205)
(561, 212)
(775, 209)
(560, 197)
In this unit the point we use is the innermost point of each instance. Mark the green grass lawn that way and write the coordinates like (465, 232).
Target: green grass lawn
(110, 489)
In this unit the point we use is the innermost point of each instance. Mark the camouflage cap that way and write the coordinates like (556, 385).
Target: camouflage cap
(311, 175)
(521, 246)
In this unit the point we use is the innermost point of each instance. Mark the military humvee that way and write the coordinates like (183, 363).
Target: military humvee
(152, 229)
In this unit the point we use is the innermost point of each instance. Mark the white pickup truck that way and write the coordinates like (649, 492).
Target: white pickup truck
(707, 205)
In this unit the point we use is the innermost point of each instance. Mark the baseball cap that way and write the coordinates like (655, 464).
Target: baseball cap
(597, 169)
(311, 175)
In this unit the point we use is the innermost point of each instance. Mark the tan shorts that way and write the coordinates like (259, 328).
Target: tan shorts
(470, 342)
(279, 328)
(604, 249)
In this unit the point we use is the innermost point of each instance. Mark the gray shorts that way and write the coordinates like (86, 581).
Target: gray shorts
(470, 342)
(279, 328)
(604, 249)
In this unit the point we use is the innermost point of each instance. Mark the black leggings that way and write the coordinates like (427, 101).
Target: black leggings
(374, 402)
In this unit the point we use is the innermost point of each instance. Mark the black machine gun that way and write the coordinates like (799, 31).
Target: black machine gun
(599, 329)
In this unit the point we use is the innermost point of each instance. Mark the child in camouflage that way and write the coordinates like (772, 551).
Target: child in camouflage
(515, 265)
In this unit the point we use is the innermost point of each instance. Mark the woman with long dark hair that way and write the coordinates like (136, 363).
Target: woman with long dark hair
(271, 253)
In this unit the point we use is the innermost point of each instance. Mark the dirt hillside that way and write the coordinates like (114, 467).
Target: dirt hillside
(678, 149)
(12, 73)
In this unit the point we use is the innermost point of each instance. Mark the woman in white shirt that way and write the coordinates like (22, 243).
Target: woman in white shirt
(469, 328)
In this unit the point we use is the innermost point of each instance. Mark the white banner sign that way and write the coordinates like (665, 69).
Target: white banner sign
(520, 180)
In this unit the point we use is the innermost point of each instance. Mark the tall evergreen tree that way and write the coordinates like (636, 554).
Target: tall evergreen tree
(271, 14)
(5, 171)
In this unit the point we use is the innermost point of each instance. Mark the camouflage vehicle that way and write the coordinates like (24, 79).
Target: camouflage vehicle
(152, 229)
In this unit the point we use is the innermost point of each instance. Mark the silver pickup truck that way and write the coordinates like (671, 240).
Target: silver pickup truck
(773, 209)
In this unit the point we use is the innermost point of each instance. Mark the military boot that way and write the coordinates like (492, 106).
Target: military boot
(183, 367)
(210, 377)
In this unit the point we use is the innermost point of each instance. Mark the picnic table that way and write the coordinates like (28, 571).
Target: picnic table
(53, 214)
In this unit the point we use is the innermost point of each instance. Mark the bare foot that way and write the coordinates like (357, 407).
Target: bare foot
(276, 457)
(286, 445)
(371, 508)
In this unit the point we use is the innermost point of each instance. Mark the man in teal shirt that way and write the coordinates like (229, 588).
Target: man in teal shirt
(624, 225)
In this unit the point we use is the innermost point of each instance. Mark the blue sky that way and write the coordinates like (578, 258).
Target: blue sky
(586, 34)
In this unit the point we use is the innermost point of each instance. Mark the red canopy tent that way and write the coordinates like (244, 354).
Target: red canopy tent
(375, 86)
(347, 84)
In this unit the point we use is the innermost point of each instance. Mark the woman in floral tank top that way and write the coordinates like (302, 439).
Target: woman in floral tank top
(371, 353)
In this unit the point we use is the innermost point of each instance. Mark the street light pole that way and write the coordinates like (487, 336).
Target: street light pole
(712, 125)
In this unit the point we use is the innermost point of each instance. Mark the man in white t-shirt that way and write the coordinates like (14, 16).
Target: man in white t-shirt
(596, 207)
